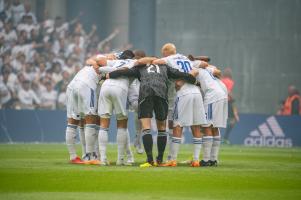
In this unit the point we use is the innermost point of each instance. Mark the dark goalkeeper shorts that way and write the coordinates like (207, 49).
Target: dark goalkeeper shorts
(153, 104)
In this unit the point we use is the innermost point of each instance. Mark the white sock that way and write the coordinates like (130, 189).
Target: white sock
(128, 146)
(70, 140)
(138, 139)
(96, 150)
(174, 147)
(197, 143)
(207, 145)
(90, 137)
(169, 139)
(82, 140)
(215, 148)
(103, 141)
(121, 142)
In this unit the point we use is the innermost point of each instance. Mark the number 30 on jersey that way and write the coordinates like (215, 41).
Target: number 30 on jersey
(185, 65)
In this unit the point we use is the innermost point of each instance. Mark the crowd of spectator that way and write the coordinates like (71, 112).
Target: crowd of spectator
(38, 57)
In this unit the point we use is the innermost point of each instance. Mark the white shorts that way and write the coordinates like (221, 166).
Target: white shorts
(97, 94)
(80, 101)
(171, 100)
(133, 95)
(189, 110)
(112, 98)
(217, 113)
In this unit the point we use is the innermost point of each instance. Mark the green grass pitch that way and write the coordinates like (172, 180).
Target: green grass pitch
(41, 171)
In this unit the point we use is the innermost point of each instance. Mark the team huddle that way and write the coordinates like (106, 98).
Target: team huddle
(183, 91)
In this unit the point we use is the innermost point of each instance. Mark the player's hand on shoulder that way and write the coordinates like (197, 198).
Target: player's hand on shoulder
(158, 62)
(194, 72)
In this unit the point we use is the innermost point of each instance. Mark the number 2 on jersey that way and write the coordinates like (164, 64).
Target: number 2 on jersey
(153, 69)
(185, 65)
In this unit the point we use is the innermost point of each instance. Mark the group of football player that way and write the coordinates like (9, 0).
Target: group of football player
(176, 90)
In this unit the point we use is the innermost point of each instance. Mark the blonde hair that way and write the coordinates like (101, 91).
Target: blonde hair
(168, 49)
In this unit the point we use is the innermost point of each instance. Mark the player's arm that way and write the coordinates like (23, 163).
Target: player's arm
(145, 60)
(199, 64)
(106, 69)
(133, 72)
(215, 71)
(159, 62)
(202, 58)
(176, 74)
(235, 111)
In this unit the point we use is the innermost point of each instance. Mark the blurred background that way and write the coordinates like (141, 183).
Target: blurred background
(259, 40)
(43, 43)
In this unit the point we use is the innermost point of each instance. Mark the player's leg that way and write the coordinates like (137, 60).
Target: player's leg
(105, 110)
(82, 136)
(119, 100)
(161, 112)
(97, 128)
(169, 129)
(220, 113)
(97, 121)
(138, 138)
(133, 95)
(72, 123)
(91, 136)
(71, 139)
(90, 126)
(208, 135)
(176, 136)
(122, 139)
(207, 146)
(145, 113)
(147, 140)
(199, 118)
(161, 140)
(197, 144)
(103, 138)
(129, 153)
(215, 146)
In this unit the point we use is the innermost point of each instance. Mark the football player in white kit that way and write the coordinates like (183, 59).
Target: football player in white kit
(216, 108)
(189, 108)
(133, 96)
(81, 104)
(113, 97)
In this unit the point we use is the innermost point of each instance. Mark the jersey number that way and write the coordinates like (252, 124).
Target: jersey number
(153, 69)
(121, 64)
(185, 65)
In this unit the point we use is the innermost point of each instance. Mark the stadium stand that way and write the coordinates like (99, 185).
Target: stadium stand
(38, 57)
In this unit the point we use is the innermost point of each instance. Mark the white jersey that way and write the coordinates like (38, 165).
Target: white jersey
(183, 64)
(88, 76)
(122, 82)
(213, 88)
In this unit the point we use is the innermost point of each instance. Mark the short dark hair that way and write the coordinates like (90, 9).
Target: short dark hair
(139, 53)
(127, 54)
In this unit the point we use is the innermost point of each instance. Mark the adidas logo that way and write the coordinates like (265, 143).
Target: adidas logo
(268, 134)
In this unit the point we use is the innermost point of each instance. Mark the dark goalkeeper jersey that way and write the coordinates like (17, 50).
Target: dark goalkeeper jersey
(153, 79)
